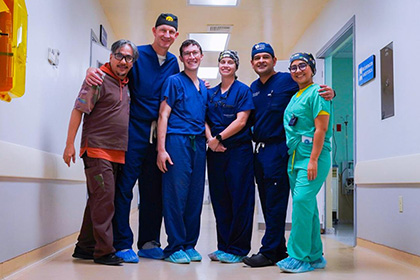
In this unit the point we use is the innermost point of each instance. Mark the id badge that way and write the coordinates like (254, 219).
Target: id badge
(293, 120)
(306, 139)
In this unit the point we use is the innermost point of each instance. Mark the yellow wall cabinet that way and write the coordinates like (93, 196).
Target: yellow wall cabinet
(13, 35)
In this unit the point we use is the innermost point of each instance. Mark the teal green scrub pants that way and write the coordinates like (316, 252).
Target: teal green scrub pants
(305, 237)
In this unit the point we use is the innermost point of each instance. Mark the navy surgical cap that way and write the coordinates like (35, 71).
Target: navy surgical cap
(262, 48)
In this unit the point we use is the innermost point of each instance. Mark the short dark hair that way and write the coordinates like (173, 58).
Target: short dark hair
(118, 44)
(187, 43)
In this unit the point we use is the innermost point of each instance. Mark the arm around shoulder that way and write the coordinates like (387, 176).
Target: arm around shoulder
(94, 76)
(326, 92)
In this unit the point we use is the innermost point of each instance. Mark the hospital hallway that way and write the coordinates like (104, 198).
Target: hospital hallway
(344, 262)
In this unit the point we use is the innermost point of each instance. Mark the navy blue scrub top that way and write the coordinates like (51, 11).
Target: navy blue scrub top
(146, 80)
(187, 103)
(223, 108)
(270, 101)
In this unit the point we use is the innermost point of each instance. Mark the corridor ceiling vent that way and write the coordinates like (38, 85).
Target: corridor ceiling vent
(220, 28)
(211, 42)
(229, 3)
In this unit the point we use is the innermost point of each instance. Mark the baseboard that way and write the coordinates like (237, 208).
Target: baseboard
(13, 265)
(390, 252)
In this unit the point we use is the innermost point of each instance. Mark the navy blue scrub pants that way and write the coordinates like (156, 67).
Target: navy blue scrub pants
(273, 187)
(232, 191)
(183, 190)
(140, 164)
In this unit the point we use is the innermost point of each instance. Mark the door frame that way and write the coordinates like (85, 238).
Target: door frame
(348, 29)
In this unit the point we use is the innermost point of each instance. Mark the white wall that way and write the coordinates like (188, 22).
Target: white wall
(378, 22)
(41, 200)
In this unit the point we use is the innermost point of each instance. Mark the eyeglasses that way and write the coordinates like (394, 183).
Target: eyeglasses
(194, 53)
(120, 56)
(302, 66)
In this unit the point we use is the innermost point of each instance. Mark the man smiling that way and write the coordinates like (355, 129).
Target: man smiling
(271, 93)
(149, 73)
(182, 155)
(103, 146)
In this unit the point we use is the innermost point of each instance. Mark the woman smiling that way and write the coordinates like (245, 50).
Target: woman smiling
(230, 162)
(308, 131)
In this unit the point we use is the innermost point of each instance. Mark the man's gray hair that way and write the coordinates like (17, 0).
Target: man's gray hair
(118, 44)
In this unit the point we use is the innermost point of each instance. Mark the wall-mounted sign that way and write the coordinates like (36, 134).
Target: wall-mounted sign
(366, 71)
(103, 36)
(387, 81)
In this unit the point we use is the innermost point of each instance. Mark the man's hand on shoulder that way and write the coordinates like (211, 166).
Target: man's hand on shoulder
(93, 76)
(326, 92)
(207, 84)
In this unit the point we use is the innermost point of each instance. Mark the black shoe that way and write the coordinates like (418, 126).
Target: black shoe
(79, 253)
(258, 260)
(283, 256)
(110, 259)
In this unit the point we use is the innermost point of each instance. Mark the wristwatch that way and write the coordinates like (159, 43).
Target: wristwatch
(219, 137)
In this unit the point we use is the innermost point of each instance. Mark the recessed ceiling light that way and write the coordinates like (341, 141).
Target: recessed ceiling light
(213, 2)
(208, 73)
(211, 42)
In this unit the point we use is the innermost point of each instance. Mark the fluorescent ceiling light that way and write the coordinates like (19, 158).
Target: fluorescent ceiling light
(211, 42)
(213, 2)
(208, 73)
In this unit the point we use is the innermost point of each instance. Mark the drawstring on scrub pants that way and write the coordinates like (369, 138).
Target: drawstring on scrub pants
(293, 160)
(192, 139)
(259, 145)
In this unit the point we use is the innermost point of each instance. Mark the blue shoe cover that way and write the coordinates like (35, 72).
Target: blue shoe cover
(230, 258)
(153, 253)
(214, 256)
(294, 266)
(128, 256)
(193, 255)
(178, 257)
(319, 263)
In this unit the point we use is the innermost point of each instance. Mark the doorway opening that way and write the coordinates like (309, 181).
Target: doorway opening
(338, 55)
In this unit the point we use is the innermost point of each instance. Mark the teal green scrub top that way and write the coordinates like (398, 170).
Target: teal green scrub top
(306, 107)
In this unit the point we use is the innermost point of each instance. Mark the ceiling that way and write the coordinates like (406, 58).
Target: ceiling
(279, 22)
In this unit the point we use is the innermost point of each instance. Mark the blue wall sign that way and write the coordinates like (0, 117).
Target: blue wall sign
(366, 71)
